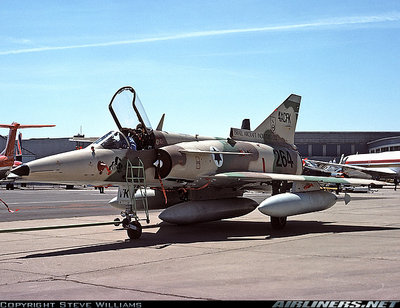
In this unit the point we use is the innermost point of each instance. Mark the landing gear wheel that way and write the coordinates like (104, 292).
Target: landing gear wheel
(278, 223)
(134, 230)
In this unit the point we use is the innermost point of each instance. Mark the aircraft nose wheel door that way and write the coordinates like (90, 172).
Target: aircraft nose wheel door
(136, 183)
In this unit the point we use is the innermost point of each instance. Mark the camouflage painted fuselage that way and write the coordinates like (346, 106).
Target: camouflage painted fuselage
(190, 161)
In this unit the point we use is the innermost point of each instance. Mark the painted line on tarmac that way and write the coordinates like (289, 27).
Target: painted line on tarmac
(56, 201)
(93, 224)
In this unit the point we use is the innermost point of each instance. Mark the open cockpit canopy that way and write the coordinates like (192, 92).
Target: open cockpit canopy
(131, 119)
(128, 111)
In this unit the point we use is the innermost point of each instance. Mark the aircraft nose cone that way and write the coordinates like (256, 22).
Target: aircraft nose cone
(22, 170)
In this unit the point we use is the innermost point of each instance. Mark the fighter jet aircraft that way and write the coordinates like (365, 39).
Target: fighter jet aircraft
(197, 178)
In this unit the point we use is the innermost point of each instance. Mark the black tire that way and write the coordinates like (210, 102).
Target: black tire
(134, 230)
(278, 223)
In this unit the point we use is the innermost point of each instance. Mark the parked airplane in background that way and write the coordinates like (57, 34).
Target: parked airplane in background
(385, 165)
(198, 178)
(7, 160)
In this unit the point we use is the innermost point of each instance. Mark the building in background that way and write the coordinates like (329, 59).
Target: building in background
(326, 146)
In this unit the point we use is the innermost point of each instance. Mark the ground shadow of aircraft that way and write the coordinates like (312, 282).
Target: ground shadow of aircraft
(222, 231)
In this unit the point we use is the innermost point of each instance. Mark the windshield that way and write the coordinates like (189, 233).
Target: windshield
(127, 110)
(98, 141)
(113, 140)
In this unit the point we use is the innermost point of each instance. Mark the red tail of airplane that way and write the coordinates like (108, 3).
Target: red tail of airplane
(7, 156)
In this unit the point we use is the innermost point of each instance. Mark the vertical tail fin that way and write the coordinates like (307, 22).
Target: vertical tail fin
(10, 145)
(281, 124)
(279, 127)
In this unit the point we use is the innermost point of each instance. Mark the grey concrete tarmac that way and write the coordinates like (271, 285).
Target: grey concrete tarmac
(45, 202)
(346, 252)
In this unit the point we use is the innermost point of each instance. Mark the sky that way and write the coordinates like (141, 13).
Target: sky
(206, 64)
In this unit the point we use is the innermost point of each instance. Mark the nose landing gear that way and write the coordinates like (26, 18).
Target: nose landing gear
(132, 227)
(136, 189)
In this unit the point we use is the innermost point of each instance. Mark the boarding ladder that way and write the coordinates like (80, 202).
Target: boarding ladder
(136, 183)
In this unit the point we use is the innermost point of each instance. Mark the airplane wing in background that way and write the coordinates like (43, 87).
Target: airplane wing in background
(355, 171)
(83, 139)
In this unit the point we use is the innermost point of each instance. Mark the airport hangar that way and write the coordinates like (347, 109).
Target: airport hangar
(324, 146)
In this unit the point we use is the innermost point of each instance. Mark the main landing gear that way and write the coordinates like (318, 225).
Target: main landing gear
(278, 223)
(279, 187)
